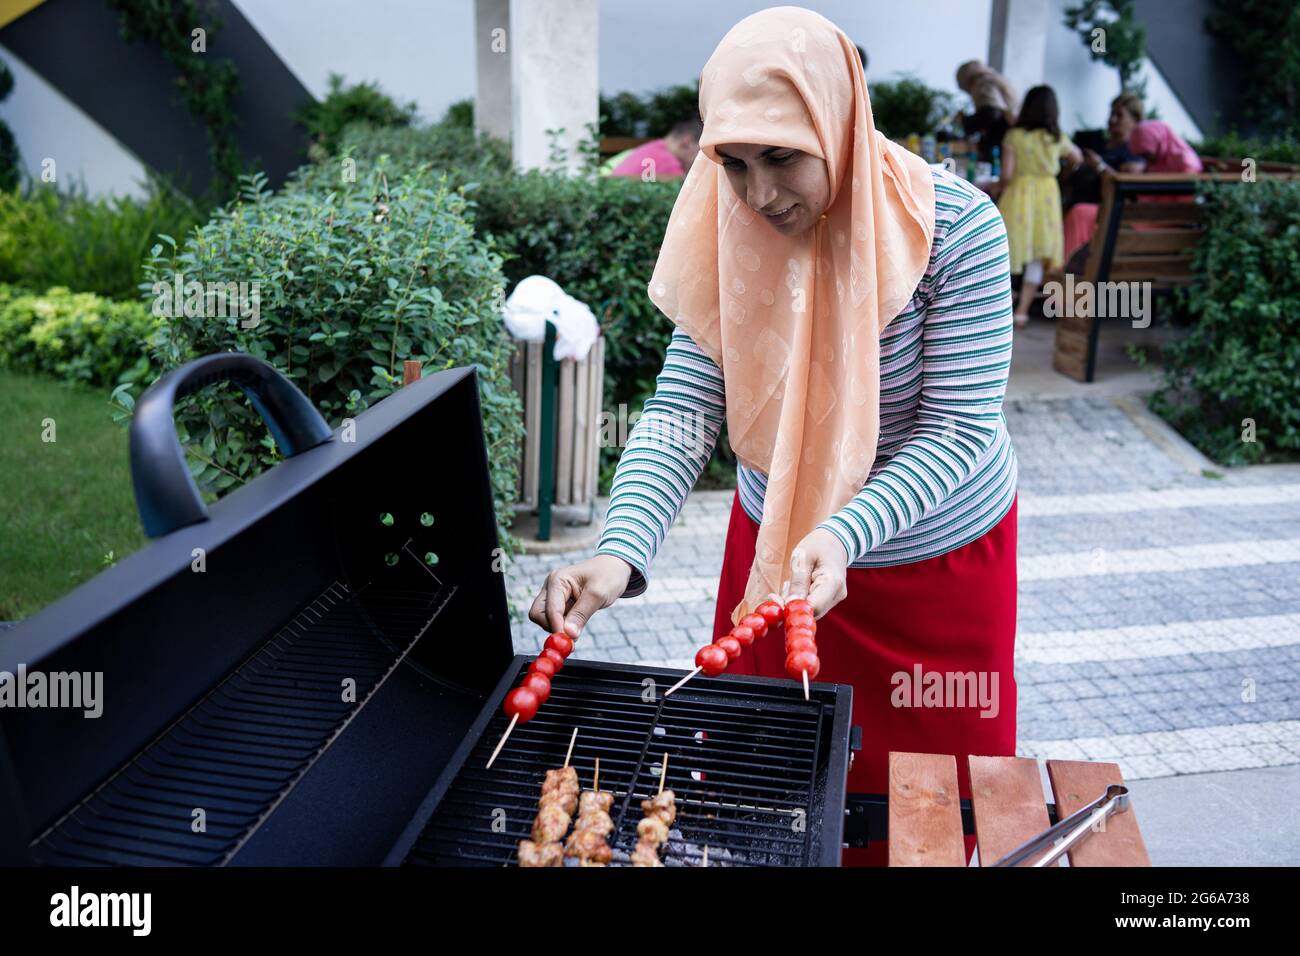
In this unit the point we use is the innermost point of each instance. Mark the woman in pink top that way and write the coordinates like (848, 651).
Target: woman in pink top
(661, 158)
(1162, 148)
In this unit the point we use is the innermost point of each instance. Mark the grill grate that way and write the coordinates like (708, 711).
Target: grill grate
(239, 751)
(748, 760)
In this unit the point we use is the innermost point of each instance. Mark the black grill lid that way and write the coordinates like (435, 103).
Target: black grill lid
(165, 636)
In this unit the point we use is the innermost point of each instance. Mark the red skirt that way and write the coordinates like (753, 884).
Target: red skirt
(951, 614)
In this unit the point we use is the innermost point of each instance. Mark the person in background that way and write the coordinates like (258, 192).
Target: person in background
(1161, 149)
(995, 102)
(1081, 216)
(670, 156)
(1030, 196)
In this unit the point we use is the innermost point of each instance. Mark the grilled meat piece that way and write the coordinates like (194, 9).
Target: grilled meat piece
(652, 830)
(589, 846)
(597, 822)
(546, 854)
(663, 807)
(590, 802)
(646, 854)
(551, 823)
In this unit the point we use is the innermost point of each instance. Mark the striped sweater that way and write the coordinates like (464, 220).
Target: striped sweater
(945, 472)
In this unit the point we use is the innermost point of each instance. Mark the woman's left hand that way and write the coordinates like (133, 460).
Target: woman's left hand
(819, 571)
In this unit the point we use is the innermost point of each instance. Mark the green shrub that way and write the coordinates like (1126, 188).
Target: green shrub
(10, 165)
(648, 114)
(78, 337)
(1284, 149)
(906, 105)
(1241, 357)
(343, 106)
(50, 238)
(352, 282)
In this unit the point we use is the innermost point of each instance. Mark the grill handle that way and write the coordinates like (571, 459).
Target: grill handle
(165, 493)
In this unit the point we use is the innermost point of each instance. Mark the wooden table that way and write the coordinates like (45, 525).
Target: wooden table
(925, 827)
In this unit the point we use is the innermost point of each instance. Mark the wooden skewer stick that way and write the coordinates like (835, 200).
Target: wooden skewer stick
(571, 742)
(682, 681)
(704, 859)
(595, 783)
(805, 686)
(663, 774)
(502, 742)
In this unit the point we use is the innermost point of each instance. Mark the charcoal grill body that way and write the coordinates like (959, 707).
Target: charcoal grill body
(226, 736)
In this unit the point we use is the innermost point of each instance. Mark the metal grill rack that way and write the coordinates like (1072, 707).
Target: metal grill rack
(240, 750)
(759, 773)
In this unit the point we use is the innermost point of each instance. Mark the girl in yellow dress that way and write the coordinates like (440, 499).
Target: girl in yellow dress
(1030, 201)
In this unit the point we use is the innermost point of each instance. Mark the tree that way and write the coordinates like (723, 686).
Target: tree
(1266, 35)
(1113, 34)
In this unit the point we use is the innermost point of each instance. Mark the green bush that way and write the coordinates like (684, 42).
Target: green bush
(78, 337)
(648, 114)
(50, 238)
(10, 165)
(1285, 149)
(352, 281)
(906, 105)
(343, 106)
(1241, 357)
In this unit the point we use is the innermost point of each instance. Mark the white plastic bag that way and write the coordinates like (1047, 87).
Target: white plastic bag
(537, 299)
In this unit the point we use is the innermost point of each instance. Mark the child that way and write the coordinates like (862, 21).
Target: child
(1030, 197)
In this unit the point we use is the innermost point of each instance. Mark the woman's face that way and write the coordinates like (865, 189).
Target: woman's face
(789, 188)
(1120, 124)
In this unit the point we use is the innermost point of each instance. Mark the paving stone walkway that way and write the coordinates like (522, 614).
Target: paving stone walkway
(1159, 608)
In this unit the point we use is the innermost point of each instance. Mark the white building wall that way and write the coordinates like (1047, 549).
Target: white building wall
(46, 125)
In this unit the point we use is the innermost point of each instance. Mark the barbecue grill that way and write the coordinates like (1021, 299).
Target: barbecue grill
(310, 671)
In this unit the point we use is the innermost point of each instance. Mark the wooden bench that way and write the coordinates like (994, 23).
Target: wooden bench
(1135, 241)
(925, 812)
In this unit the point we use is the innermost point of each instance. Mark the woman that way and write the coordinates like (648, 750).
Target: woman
(995, 106)
(1030, 197)
(846, 310)
(1081, 218)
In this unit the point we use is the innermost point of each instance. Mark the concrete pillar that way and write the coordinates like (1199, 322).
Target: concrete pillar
(554, 82)
(492, 67)
(1018, 41)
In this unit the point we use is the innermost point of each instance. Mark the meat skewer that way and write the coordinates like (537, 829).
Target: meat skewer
(555, 810)
(652, 831)
(587, 842)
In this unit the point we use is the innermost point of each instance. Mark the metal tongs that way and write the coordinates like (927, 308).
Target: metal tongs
(1075, 827)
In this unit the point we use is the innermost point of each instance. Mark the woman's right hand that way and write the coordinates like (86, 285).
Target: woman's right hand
(569, 596)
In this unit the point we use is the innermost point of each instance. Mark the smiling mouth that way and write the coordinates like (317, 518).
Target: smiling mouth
(781, 214)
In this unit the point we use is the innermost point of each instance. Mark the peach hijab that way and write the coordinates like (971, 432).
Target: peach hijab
(794, 322)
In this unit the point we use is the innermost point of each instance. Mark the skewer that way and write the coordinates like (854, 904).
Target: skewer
(502, 742)
(704, 858)
(805, 686)
(663, 774)
(571, 742)
(595, 783)
(683, 681)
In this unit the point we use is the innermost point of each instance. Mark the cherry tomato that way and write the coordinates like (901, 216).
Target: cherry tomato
(561, 643)
(729, 644)
(799, 661)
(800, 620)
(802, 631)
(539, 684)
(801, 643)
(544, 666)
(795, 605)
(555, 656)
(523, 702)
(756, 623)
(770, 611)
(712, 659)
(744, 634)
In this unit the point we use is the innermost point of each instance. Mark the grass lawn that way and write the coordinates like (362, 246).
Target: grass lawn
(64, 504)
